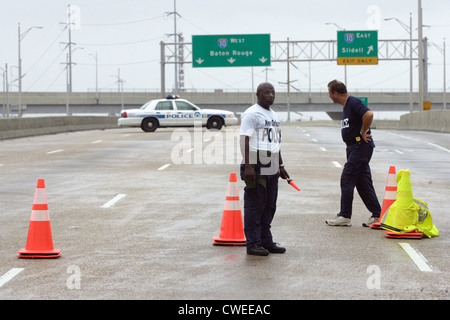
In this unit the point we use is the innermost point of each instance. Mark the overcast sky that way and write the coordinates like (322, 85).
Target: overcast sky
(126, 34)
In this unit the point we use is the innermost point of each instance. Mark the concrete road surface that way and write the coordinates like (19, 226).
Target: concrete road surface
(134, 214)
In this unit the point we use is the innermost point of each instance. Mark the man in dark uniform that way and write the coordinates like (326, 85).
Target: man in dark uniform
(355, 131)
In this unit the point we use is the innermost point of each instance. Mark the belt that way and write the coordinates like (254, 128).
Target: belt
(357, 140)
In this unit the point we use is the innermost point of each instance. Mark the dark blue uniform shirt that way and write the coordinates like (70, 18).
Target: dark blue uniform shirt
(352, 119)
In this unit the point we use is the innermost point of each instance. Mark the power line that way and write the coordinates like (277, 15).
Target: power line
(121, 43)
(40, 57)
(120, 23)
(48, 68)
(118, 64)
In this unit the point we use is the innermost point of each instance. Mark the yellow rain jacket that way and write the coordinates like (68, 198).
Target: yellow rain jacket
(408, 214)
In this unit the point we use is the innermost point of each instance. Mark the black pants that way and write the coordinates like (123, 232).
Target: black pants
(356, 173)
(260, 204)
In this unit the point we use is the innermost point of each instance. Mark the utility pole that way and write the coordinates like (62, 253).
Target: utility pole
(70, 48)
(67, 85)
(69, 44)
(175, 37)
(163, 69)
(5, 91)
(288, 82)
(421, 71)
(180, 55)
(119, 85)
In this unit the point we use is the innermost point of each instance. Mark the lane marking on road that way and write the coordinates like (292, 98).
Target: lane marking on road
(55, 151)
(9, 275)
(398, 151)
(163, 167)
(422, 141)
(337, 164)
(418, 259)
(98, 141)
(114, 200)
(323, 149)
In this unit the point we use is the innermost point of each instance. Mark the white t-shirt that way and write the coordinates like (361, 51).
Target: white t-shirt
(263, 128)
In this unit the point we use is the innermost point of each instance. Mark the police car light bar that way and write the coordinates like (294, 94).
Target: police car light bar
(171, 96)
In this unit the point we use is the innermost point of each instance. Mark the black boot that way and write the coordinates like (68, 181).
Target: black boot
(257, 251)
(274, 248)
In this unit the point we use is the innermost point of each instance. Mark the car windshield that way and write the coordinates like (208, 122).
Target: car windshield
(145, 105)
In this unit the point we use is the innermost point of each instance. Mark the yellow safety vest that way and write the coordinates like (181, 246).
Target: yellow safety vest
(408, 214)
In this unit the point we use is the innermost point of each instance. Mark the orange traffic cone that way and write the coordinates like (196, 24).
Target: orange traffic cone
(404, 235)
(39, 241)
(231, 229)
(390, 195)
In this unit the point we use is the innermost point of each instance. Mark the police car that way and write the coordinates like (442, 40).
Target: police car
(174, 112)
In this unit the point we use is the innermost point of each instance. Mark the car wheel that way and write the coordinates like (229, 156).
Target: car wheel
(149, 124)
(214, 123)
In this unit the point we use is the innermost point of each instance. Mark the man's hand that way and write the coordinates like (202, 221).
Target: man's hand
(249, 173)
(366, 137)
(283, 173)
(366, 122)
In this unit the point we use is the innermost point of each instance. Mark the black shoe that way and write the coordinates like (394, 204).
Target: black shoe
(257, 251)
(275, 248)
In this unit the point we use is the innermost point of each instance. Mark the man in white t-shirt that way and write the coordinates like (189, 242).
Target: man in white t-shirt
(262, 166)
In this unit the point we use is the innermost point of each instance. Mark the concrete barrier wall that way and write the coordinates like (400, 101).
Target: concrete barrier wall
(432, 120)
(23, 127)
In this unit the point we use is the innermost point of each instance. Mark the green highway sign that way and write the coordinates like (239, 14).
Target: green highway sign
(364, 100)
(232, 50)
(357, 47)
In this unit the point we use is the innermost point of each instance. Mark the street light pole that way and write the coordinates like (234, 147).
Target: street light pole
(96, 76)
(445, 91)
(288, 85)
(410, 57)
(410, 65)
(20, 37)
(20, 77)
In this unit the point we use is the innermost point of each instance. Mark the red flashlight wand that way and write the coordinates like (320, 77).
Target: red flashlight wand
(293, 184)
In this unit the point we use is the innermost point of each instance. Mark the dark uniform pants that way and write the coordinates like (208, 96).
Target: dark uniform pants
(356, 173)
(259, 209)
